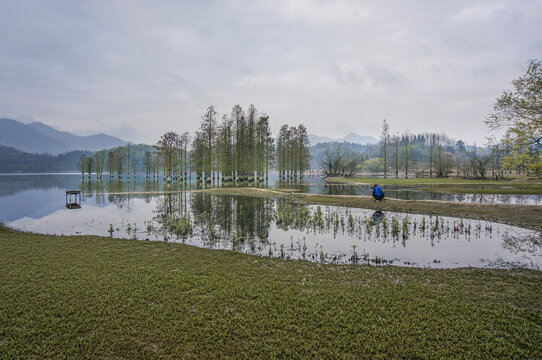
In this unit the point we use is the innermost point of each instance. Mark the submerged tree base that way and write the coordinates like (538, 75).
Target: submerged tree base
(92, 297)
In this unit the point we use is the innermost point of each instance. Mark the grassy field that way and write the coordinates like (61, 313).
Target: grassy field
(91, 297)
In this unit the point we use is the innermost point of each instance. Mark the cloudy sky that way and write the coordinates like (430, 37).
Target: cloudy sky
(136, 69)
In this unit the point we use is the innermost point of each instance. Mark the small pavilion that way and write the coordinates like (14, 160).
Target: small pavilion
(75, 202)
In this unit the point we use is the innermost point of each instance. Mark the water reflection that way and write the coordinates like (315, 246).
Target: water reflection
(270, 227)
(377, 216)
(410, 193)
(12, 185)
(279, 228)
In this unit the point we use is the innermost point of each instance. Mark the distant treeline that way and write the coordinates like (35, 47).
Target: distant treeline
(241, 148)
(13, 160)
(398, 155)
(117, 162)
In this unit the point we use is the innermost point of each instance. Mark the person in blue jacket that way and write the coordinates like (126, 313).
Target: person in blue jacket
(378, 194)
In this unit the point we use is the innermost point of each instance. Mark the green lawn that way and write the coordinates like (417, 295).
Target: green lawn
(91, 297)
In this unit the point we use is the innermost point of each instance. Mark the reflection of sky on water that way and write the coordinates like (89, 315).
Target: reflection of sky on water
(30, 203)
(252, 220)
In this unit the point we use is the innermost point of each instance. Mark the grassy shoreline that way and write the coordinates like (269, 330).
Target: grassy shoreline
(452, 185)
(526, 216)
(427, 181)
(92, 297)
(534, 190)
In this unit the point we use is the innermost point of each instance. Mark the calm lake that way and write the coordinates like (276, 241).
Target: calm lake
(268, 226)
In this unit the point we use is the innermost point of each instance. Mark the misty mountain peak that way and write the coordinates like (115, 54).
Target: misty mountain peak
(37, 137)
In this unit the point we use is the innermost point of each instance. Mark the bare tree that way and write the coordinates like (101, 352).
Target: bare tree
(406, 141)
(384, 138)
(396, 139)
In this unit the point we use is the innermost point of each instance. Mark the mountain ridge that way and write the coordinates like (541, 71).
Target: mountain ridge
(351, 137)
(39, 138)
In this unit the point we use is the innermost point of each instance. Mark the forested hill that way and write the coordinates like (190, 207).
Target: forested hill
(13, 160)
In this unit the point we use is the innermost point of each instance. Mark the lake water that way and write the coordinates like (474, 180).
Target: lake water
(263, 226)
(14, 183)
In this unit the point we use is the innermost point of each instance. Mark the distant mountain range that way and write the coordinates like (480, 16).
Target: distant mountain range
(350, 137)
(39, 138)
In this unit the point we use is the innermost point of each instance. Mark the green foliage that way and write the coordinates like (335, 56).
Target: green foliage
(340, 161)
(520, 112)
(536, 166)
(180, 226)
(374, 164)
(317, 151)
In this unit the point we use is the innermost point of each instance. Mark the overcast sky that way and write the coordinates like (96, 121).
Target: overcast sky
(136, 69)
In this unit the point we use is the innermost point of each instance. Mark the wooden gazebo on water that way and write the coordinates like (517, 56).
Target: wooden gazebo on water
(74, 203)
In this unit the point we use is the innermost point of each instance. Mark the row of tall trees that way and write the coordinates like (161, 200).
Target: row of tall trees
(293, 155)
(239, 148)
(120, 162)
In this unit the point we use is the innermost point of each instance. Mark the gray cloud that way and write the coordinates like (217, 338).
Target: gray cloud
(336, 66)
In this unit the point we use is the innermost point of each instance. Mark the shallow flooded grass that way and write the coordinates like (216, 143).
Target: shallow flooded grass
(373, 226)
(527, 216)
(92, 297)
(287, 229)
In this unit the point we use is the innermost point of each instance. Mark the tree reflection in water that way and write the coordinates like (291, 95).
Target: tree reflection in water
(243, 219)
(218, 217)
(279, 227)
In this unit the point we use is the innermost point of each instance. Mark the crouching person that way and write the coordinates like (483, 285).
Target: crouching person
(378, 193)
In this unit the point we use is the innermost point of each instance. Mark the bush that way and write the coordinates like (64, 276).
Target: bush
(374, 164)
